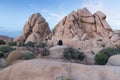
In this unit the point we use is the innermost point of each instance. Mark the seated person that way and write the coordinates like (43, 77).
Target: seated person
(60, 43)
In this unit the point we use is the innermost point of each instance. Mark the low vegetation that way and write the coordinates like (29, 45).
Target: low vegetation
(33, 44)
(71, 53)
(28, 55)
(12, 43)
(44, 52)
(30, 44)
(102, 57)
(20, 44)
(2, 42)
(42, 45)
(6, 50)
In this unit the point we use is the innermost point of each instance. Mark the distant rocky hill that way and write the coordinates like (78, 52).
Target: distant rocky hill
(5, 38)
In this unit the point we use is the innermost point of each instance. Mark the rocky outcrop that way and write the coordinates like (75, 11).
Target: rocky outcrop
(53, 70)
(84, 30)
(13, 56)
(82, 25)
(35, 29)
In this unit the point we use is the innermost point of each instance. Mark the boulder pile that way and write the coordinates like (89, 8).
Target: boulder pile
(35, 29)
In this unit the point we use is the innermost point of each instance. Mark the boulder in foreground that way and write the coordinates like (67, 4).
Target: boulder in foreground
(52, 70)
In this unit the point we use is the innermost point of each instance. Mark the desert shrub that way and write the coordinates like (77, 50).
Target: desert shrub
(30, 44)
(6, 50)
(41, 45)
(12, 43)
(20, 44)
(1, 55)
(44, 52)
(2, 42)
(102, 57)
(28, 55)
(73, 53)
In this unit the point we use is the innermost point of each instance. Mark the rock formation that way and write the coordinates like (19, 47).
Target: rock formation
(35, 29)
(84, 30)
(82, 25)
(39, 69)
(114, 60)
(80, 29)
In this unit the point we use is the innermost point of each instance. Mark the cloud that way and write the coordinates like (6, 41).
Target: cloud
(93, 5)
(44, 10)
(113, 16)
(58, 16)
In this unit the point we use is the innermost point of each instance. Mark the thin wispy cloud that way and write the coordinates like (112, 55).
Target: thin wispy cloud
(113, 16)
(55, 15)
(93, 5)
(44, 10)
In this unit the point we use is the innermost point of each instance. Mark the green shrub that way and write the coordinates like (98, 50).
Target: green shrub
(104, 54)
(1, 55)
(28, 55)
(6, 50)
(30, 44)
(12, 43)
(2, 42)
(44, 52)
(101, 59)
(20, 44)
(74, 54)
(41, 45)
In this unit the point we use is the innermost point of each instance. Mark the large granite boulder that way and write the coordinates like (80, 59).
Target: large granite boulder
(52, 70)
(114, 60)
(84, 30)
(56, 52)
(36, 29)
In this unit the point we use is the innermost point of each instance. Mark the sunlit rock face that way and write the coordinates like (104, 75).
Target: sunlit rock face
(39, 69)
(35, 29)
(84, 30)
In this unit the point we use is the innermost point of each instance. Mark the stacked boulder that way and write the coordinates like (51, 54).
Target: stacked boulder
(84, 30)
(35, 29)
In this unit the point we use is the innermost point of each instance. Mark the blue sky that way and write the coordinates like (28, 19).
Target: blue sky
(14, 13)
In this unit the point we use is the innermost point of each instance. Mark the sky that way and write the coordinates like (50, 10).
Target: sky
(15, 13)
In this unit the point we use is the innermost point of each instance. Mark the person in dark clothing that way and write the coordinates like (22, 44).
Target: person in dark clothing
(60, 42)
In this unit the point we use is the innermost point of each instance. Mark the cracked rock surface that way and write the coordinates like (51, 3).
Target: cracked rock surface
(35, 29)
